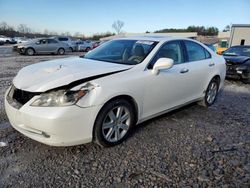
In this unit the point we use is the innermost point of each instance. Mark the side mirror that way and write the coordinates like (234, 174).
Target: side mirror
(162, 64)
(37, 42)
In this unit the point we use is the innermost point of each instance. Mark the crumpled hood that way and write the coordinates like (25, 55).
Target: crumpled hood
(236, 59)
(47, 75)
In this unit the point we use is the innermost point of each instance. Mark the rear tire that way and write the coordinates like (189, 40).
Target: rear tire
(29, 51)
(61, 51)
(211, 93)
(114, 123)
(71, 49)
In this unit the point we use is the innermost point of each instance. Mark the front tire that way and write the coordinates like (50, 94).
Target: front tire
(211, 93)
(29, 51)
(114, 123)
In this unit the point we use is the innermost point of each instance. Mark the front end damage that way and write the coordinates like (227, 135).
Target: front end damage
(53, 125)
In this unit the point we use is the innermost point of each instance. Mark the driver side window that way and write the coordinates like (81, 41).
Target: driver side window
(43, 41)
(170, 50)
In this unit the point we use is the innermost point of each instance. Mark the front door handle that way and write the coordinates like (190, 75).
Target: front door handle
(185, 70)
(211, 64)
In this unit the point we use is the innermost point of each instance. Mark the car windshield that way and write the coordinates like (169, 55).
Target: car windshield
(128, 52)
(238, 51)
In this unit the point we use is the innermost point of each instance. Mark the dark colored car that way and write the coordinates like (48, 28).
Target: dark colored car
(238, 62)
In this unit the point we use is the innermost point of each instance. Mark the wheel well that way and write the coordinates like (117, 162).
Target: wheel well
(128, 98)
(125, 97)
(217, 78)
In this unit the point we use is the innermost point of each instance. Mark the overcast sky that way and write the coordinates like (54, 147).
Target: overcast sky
(93, 16)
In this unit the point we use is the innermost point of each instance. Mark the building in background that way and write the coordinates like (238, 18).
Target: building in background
(240, 35)
(223, 40)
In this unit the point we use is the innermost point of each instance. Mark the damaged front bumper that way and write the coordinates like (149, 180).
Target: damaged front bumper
(56, 126)
(238, 71)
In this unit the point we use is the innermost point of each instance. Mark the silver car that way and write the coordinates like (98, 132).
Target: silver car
(42, 46)
(69, 41)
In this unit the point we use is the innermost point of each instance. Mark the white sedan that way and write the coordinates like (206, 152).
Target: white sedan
(100, 96)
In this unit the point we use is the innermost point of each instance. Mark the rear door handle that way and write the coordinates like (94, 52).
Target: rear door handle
(184, 70)
(211, 64)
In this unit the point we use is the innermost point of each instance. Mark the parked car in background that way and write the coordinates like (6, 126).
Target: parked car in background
(238, 62)
(101, 96)
(84, 46)
(1, 42)
(69, 41)
(42, 46)
(96, 44)
(21, 39)
(5, 39)
(12, 41)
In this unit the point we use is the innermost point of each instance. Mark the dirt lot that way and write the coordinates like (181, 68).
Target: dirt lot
(190, 147)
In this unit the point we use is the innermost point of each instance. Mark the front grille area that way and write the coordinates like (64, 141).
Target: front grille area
(231, 69)
(19, 96)
(22, 96)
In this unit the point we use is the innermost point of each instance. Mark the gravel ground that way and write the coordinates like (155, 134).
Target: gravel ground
(190, 147)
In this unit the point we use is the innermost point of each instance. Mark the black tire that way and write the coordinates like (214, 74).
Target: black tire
(87, 49)
(29, 51)
(71, 49)
(205, 101)
(61, 51)
(99, 136)
(246, 81)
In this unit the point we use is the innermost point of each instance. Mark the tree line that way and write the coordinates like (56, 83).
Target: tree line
(24, 31)
(201, 30)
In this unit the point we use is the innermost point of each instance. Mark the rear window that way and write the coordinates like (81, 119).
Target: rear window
(196, 52)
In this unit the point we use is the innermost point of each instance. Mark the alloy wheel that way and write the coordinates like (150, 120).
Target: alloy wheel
(116, 124)
(212, 92)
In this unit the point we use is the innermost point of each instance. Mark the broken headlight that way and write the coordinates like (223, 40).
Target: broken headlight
(59, 98)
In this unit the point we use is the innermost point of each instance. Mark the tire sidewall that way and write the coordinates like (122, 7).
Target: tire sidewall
(28, 53)
(60, 50)
(205, 99)
(98, 135)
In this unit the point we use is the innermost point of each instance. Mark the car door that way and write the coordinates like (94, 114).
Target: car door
(41, 46)
(200, 66)
(52, 45)
(170, 88)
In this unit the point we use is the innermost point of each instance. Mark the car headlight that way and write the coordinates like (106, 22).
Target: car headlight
(59, 98)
